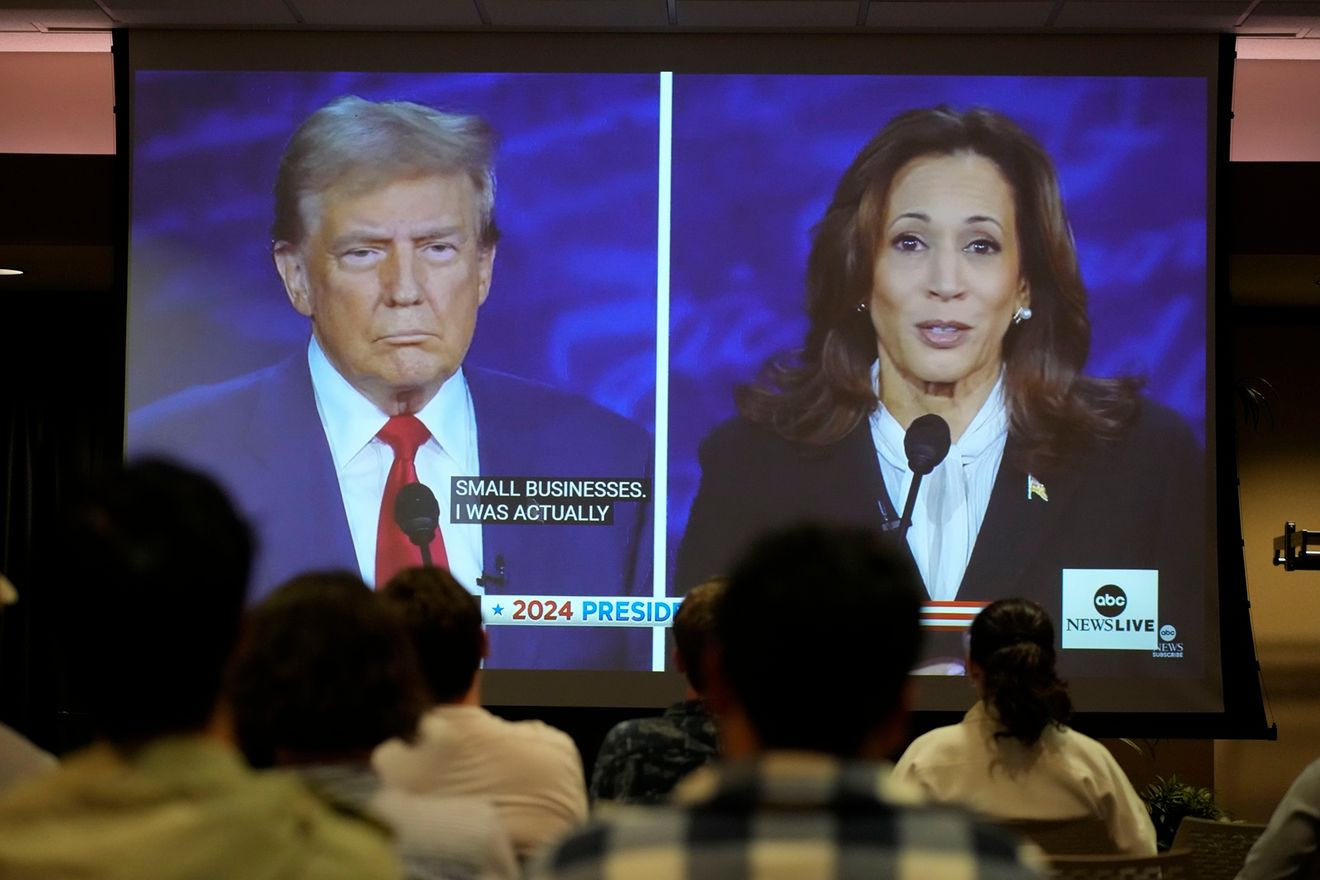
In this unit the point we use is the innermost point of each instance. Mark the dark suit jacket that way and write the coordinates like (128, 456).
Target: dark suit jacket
(261, 436)
(1137, 503)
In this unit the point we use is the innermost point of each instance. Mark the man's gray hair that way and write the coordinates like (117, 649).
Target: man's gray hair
(362, 145)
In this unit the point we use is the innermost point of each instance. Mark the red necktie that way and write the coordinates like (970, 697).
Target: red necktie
(394, 551)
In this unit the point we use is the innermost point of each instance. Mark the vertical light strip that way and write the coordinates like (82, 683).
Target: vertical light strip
(660, 482)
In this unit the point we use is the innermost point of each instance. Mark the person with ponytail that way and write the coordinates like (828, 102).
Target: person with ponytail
(1013, 757)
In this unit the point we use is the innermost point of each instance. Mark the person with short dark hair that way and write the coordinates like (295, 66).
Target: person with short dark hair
(642, 759)
(530, 771)
(1013, 757)
(154, 594)
(808, 680)
(445, 627)
(324, 674)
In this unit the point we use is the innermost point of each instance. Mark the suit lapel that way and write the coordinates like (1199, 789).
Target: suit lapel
(504, 548)
(861, 458)
(304, 510)
(868, 498)
(1016, 528)
(491, 408)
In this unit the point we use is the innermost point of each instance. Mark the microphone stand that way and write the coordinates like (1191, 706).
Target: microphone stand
(926, 443)
(905, 522)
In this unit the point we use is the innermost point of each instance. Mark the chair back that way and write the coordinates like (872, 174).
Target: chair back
(1176, 864)
(1218, 848)
(1064, 837)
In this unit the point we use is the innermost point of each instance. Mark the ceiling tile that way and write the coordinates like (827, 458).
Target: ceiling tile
(37, 41)
(74, 14)
(577, 14)
(1273, 17)
(806, 14)
(183, 13)
(1151, 15)
(395, 14)
(18, 21)
(1279, 48)
(959, 15)
(1292, 18)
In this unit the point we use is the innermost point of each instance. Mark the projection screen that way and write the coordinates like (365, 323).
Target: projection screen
(658, 200)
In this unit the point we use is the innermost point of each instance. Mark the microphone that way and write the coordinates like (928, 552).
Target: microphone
(926, 444)
(418, 513)
(493, 580)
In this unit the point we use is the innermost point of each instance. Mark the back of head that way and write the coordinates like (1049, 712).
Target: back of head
(155, 584)
(694, 629)
(361, 145)
(443, 620)
(816, 633)
(324, 672)
(1012, 641)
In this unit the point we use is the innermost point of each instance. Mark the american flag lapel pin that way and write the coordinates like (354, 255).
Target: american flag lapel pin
(1035, 488)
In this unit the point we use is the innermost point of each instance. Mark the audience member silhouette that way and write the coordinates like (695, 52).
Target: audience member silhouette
(1012, 757)
(20, 758)
(530, 771)
(323, 675)
(1289, 847)
(642, 759)
(809, 684)
(154, 594)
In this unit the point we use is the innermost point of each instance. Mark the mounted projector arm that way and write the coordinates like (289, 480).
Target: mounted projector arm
(1297, 549)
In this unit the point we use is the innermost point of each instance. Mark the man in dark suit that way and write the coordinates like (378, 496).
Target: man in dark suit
(384, 237)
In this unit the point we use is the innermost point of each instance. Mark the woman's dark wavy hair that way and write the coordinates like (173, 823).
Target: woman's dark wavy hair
(820, 393)
(1012, 640)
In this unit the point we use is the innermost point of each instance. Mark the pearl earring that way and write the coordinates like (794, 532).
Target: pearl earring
(1022, 314)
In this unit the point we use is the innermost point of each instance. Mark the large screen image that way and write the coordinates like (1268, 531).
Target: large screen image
(580, 337)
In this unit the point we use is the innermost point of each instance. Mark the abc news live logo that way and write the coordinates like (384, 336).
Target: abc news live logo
(1111, 609)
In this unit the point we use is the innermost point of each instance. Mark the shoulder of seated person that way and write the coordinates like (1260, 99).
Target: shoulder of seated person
(534, 732)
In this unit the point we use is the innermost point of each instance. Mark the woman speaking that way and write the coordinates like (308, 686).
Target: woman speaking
(943, 280)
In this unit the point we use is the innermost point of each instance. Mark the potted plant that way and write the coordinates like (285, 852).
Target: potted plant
(1169, 800)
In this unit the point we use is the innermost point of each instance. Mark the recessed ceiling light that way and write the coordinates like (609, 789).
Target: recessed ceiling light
(11, 271)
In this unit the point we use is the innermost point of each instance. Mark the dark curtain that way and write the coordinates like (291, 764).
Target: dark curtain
(61, 423)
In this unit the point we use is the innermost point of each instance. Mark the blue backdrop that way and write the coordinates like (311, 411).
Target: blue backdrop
(756, 159)
(572, 301)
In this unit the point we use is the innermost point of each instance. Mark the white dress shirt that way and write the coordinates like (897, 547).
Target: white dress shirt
(1064, 775)
(953, 498)
(362, 461)
(531, 772)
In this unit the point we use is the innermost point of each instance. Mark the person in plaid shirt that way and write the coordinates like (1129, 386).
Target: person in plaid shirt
(808, 682)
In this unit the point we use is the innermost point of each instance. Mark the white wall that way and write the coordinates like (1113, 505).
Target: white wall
(57, 102)
(63, 102)
(1276, 111)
